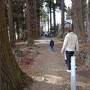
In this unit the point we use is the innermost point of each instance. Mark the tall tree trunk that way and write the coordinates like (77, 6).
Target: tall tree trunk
(30, 20)
(10, 73)
(78, 19)
(35, 34)
(17, 29)
(62, 17)
(35, 9)
(38, 19)
(88, 21)
(54, 19)
(50, 15)
(11, 25)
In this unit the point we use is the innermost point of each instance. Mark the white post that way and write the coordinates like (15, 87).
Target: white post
(73, 73)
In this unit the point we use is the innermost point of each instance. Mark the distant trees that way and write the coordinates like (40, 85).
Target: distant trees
(49, 5)
(21, 21)
(69, 12)
(52, 8)
(18, 17)
(22, 18)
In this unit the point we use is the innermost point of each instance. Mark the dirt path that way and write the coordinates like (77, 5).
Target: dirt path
(49, 71)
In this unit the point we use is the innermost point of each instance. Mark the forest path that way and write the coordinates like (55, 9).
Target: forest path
(49, 70)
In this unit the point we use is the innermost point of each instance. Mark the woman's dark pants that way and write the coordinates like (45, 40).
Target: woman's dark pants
(69, 54)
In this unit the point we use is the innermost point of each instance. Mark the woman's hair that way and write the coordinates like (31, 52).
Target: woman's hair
(71, 29)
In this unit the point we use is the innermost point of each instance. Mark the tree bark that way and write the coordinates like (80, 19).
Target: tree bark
(30, 21)
(62, 18)
(50, 15)
(10, 73)
(88, 21)
(37, 19)
(78, 20)
(54, 19)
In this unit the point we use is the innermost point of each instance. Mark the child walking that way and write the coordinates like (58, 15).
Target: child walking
(51, 44)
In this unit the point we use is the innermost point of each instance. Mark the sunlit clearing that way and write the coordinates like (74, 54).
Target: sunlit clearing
(42, 41)
(38, 78)
(51, 79)
(46, 41)
(54, 79)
